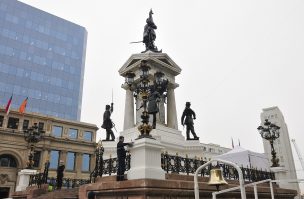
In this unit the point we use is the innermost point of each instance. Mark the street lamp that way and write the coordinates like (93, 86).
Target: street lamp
(32, 135)
(142, 89)
(270, 132)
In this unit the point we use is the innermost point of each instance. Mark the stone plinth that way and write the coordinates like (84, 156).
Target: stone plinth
(146, 160)
(174, 186)
(24, 179)
(281, 174)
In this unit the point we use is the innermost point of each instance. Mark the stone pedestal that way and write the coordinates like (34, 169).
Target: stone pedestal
(174, 186)
(146, 160)
(281, 173)
(24, 179)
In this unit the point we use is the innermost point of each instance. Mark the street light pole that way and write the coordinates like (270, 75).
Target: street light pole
(32, 135)
(270, 132)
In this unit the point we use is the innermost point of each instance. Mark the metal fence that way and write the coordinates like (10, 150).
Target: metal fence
(108, 167)
(185, 166)
(68, 182)
(169, 163)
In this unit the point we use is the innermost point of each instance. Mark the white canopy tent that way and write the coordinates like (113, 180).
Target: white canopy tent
(246, 158)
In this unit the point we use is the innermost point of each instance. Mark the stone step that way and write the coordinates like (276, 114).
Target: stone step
(61, 194)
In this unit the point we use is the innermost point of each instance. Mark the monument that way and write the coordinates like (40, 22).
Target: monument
(162, 71)
(149, 86)
(286, 169)
(150, 123)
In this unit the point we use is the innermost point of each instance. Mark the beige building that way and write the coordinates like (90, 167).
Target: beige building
(70, 141)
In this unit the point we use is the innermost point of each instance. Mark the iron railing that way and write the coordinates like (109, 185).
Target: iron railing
(40, 178)
(68, 182)
(169, 163)
(109, 167)
(185, 166)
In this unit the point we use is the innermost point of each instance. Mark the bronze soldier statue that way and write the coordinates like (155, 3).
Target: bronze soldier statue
(188, 113)
(107, 122)
(153, 99)
(121, 158)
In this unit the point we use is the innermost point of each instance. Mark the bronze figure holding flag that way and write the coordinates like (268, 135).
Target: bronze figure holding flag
(107, 122)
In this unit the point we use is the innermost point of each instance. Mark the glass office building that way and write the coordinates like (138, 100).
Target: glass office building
(42, 57)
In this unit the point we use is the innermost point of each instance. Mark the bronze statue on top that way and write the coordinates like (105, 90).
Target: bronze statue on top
(188, 113)
(149, 34)
(107, 123)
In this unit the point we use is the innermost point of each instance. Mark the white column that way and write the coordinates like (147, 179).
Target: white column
(171, 109)
(161, 115)
(146, 160)
(129, 110)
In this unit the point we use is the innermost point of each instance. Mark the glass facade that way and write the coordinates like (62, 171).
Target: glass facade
(37, 156)
(13, 123)
(7, 161)
(70, 163)
(1, 120)
(41, 57)
(73, 133)
(87, 135)
(86, 162)
(57, 131)
(54, 159)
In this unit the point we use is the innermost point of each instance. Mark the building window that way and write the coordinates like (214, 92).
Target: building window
(87, 135)
(25, 124)
(37, 156)
(7, 161)
(1, 120)
(54, 159)
(57, 131)
(73, 133)
(86, 159)
(70, 163)
(40, 126)
(13, 123)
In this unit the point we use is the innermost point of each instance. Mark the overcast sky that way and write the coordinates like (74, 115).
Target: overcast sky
(237, 57)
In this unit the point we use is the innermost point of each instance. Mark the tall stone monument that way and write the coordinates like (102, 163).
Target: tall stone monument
(282, 146)
(166, 129)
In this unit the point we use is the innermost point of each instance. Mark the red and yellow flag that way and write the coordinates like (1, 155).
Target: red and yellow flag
(23, 106)
(8, 105)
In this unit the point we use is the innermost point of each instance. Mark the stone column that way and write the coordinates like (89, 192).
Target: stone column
(129, 110)
(63, 156)
(44, 158)
(138, 111)
(78, 164)
(5, 121)
(20, 125)
(92, 162)
(171, 109)
(161, 115)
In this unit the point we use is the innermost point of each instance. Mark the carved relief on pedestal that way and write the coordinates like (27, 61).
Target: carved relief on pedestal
(3, 178)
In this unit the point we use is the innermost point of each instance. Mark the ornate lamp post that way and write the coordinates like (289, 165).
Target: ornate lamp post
(270, 132)
(143, 89)
(99, 160)
(32, 135)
